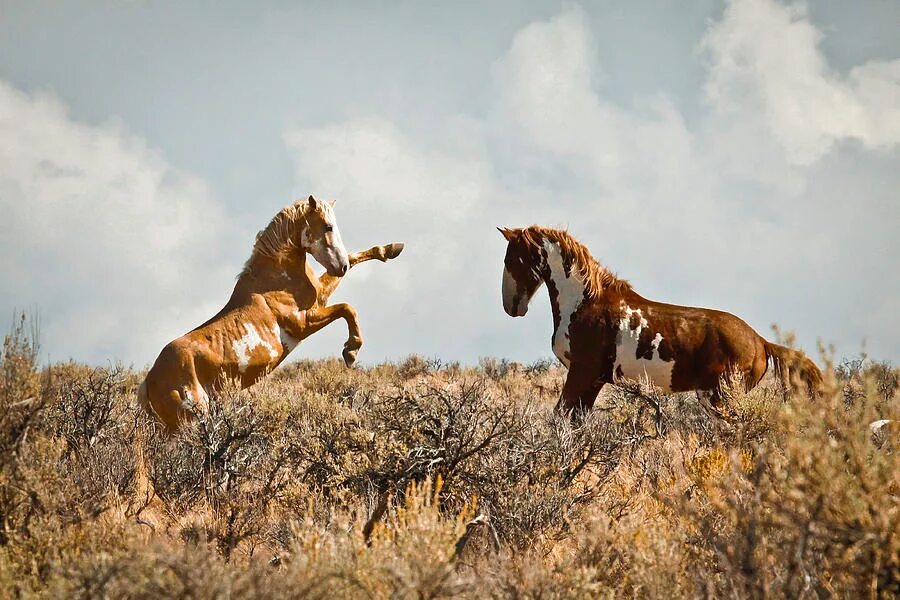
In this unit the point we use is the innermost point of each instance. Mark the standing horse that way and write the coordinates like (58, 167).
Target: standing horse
(604, 331)
(277, 302)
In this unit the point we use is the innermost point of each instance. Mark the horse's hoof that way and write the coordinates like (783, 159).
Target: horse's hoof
(393, 250)
(350, 357)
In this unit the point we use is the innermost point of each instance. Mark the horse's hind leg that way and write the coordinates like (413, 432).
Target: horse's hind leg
(712, 404)
(171, 412)
(328, 283)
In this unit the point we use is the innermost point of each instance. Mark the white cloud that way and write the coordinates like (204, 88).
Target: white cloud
(777, 201)
(767, 73)
(393, 188)
(736, 211)
(118, 251)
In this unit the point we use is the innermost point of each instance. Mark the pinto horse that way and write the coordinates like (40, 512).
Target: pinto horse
(604, 331)
(277, 301)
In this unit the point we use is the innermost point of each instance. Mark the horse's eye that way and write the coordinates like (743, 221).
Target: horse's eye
(328, 228)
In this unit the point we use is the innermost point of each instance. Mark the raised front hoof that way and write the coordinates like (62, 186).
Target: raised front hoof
(392, 250)
(349, 356)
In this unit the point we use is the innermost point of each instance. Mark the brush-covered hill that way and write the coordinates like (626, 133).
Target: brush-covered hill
(424, 480)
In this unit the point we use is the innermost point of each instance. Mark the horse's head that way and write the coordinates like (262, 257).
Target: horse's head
(521, 272)
(322, 239)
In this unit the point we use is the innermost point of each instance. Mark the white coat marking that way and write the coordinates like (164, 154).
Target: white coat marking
(194, 404)
(288, 341)
(328, 251)
(656, 369)
(510, 289)
(570, 296)
(244, 346)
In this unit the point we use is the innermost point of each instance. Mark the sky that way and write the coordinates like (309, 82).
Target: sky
(740, 155)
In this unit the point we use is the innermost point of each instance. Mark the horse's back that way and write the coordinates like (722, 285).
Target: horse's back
(703, 343)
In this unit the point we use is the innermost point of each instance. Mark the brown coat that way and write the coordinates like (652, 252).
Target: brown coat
(277, 302)
(604, 331)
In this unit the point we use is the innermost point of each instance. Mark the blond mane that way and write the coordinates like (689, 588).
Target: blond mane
(278, 237)
(597, 278)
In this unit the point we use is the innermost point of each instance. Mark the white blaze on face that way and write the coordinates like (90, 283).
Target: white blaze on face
(627, 339)
(328, 250)
(570, 296)
(510, 289)
(245, 346)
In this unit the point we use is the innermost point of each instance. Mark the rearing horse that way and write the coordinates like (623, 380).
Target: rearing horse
(277, 302)
(604, 331)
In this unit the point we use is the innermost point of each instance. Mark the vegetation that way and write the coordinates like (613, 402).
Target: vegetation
(425, 480)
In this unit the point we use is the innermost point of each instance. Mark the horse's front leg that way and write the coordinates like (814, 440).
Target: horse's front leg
(328, 283)
(579, 391)
(320, 316)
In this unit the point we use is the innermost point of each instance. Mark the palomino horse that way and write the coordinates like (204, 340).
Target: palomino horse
(604, 331)
(277, 302)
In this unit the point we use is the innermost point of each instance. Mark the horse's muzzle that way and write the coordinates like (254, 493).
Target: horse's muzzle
(339, 271)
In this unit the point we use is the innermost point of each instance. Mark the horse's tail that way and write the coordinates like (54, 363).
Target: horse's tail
(791, 365)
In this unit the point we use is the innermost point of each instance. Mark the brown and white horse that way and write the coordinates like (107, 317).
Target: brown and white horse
(277, 302)
(604, 331)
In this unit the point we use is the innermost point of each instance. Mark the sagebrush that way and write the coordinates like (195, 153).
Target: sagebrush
(422, 479)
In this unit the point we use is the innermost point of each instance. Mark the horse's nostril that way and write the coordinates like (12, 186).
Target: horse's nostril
(344, 269)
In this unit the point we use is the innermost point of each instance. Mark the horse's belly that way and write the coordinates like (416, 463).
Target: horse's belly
(657, 371)
(629, 366)
(257, 350)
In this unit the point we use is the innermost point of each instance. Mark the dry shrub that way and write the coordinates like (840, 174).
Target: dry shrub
(66, 461)
(521, 461)
(432, 480)
(21, 402)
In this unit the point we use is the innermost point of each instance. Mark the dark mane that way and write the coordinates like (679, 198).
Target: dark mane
(597, 277)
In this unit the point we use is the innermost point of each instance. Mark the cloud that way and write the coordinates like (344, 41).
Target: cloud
(391, 187)
(768, 74)
(741, 208)
(116, 249)
(771, 194)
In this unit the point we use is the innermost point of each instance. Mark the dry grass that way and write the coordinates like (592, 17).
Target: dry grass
(424, 480)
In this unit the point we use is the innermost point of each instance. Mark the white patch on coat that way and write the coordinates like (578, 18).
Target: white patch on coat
(194, 403)
(570, 290)
(627, 339)
(288, 341)
(244, 346)
(629, 312)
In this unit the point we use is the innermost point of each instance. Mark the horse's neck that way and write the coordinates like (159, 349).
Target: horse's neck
(262, 274)
(566, 287)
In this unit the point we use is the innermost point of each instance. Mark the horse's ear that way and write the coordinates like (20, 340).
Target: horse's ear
(508, 233)
(312, 202)
(332, 203)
